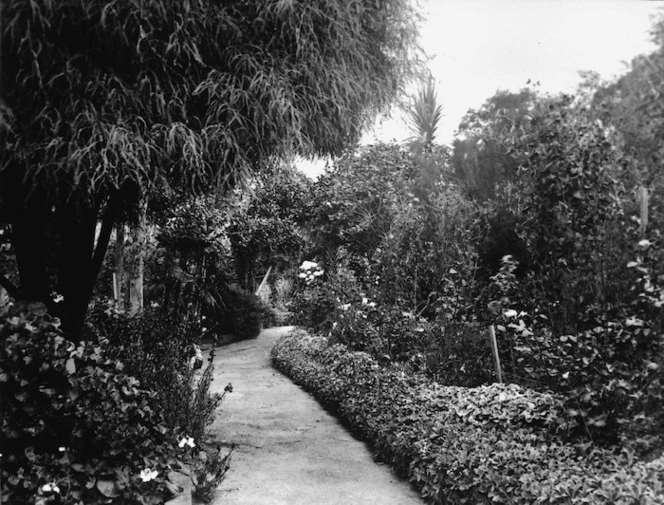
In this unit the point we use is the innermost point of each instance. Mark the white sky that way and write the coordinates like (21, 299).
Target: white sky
(480, 46)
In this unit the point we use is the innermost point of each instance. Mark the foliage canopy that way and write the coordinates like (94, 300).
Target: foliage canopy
(106, 101)
(191, 92)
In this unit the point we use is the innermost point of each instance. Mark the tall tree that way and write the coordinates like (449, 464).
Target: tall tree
(480, 160)
(112, 99)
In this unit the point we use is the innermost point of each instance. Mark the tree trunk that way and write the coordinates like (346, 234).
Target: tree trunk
(119, 267)
(31, 250)
(139, 241)
(75, 270)
(57, 259)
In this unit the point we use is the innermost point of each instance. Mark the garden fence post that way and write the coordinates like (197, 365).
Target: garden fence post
(494, 350)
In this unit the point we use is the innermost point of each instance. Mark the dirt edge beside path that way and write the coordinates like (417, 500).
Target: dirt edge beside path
(290, 451)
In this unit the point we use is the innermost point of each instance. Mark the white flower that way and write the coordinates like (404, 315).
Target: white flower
(302, 275)
(510, 313)
(308, 265)
(186, 441)
(51, 487)
(148, 474)
(318, 273)
(365, 300)
(371, 304)
(345, 306)
(62, 449)
(644, 243)
(57, 297)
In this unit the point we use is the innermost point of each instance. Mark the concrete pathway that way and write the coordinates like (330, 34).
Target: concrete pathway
(289, 450)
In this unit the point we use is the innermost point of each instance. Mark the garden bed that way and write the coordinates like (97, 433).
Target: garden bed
(491, 444)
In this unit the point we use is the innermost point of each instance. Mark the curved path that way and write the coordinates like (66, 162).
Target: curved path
(289, 450)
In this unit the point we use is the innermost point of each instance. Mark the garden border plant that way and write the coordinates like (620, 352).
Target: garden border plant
(75, 428)
(491, 444)
(101, 421)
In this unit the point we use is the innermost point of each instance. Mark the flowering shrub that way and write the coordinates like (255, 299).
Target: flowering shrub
(493, 444)
(314, 302)
(309, 270)
(76, 428)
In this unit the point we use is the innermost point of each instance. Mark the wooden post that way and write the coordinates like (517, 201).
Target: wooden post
(494, 350)
(643, 197)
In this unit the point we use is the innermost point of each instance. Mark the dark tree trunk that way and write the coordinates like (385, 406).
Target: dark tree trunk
(119, 267)
(58, 254)
(31, 250)
(80, 261)
(74, 267)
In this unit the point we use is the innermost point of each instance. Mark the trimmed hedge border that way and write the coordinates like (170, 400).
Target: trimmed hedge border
(492, 444)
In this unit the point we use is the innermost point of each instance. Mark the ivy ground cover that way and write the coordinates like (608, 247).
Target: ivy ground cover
(491, 444)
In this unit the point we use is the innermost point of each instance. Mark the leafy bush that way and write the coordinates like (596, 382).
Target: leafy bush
(492, 444)
(158, 349)
(611, 375)
(316, 298)
(579, 323)
(241, 313)
(75, 427)
(340, 307)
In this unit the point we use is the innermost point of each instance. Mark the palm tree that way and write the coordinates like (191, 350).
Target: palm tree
(425, 115)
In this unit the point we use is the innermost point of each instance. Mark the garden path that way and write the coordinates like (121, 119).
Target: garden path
(289, 450)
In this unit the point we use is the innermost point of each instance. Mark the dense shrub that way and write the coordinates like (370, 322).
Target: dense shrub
(453, 352)
(241, 313)
(315, 301)
(159, 350)
(412, 278)
(75, 427)
(493, 444)
(612, 374)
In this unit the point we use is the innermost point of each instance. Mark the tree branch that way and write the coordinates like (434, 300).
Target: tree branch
(107, 222)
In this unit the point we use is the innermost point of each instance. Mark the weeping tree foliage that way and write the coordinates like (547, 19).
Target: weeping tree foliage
(106, 101)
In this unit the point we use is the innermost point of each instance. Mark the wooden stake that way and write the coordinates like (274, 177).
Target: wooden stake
(644, 209)
(494, 350)
(264, 280)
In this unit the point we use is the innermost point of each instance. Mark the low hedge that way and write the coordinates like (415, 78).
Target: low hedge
(491, 444)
